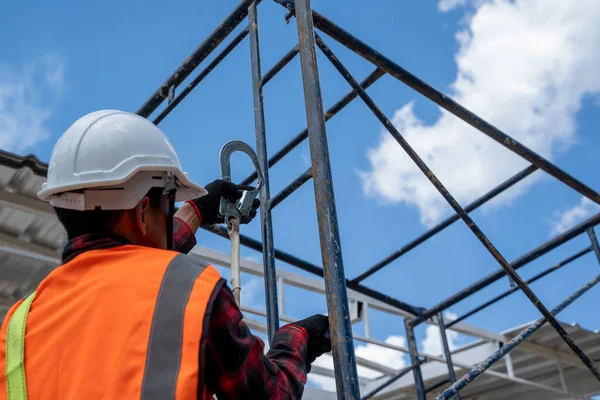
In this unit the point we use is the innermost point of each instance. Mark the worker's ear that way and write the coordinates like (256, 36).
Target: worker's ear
(142, 215)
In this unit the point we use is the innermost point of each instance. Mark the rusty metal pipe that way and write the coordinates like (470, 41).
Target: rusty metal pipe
(213, 64)
(447, 354)
(594, 240)
(206, 47)
(414, 360)
(342, 342)
(291, 188)
(279, 65)
(436, 385)
(270, 276)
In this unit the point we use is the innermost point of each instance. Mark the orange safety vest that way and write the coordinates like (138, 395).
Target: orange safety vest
(119, 323)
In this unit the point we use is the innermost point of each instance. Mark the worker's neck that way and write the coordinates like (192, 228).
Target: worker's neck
(132, 232)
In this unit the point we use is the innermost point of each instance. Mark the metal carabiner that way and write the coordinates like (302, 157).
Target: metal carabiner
(243, 205)
(232, 213)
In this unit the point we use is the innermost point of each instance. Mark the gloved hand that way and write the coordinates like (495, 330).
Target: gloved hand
(319, 340)
(207, 206)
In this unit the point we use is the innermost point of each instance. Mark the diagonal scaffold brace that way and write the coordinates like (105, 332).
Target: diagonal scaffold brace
(510, 271)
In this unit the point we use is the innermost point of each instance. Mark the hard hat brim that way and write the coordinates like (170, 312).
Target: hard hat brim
(131, 189)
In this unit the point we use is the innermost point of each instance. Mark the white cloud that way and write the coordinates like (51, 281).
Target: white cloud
(251, 293)
(432, 343)
(255, 259)
(323, 382)
(447, 5)
(524, 66)
(382, 355)
(563, 220)
(387, 357)
(28, 94)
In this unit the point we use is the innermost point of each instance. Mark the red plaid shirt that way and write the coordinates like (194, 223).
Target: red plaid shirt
(235, 365)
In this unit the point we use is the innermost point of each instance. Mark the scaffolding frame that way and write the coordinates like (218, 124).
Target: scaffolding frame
(336, 284)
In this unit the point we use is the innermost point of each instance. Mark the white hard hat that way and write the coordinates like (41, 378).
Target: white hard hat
(111, 159)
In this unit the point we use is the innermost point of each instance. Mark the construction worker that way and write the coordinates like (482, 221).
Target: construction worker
(127, 315)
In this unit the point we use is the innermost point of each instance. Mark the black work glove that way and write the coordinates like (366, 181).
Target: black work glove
(207, 206)
(319, 340)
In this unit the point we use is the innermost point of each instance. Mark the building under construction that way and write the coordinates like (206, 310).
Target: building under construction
(544, 359)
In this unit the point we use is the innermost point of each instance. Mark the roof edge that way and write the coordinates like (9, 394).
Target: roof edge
(31, 161)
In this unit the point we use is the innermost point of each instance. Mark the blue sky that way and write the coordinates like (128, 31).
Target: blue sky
(535, 80)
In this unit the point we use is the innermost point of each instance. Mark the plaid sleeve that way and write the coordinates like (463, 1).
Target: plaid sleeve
(183, 237)
(235, 364)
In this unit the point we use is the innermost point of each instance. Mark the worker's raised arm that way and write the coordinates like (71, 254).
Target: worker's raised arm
(232, 359)
(235, 366)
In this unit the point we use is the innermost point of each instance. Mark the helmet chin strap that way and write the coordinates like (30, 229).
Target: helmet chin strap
(170, 217)
(170, 191)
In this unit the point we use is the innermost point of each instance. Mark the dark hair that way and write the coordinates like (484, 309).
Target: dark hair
(77, 223)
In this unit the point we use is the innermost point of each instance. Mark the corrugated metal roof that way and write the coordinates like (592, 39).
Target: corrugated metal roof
(26, 223)
(526, 365)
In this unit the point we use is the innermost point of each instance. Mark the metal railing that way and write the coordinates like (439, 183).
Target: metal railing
(336, 284)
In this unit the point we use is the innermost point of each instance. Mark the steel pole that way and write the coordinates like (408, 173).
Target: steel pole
(594, 240)
(261, 152)
(414, 360)
(447, 354)
(291, 188)
(436, 385)
(344, 360)
(205, 72)
(279, 65)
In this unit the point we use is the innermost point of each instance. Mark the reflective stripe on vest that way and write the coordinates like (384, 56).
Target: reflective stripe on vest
(15, 351)
(164, 347)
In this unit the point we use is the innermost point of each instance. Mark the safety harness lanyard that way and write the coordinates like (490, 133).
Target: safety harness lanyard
(15, 351)
(232, 213)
